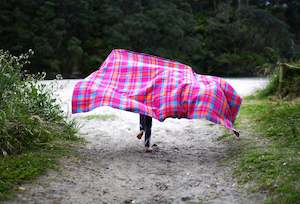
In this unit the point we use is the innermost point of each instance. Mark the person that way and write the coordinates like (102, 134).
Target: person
(145, 128)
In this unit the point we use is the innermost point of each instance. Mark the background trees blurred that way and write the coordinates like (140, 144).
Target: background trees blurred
(227, 38)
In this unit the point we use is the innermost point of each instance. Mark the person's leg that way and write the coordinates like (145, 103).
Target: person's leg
(142, 122)
(142, 126)
(148, 126)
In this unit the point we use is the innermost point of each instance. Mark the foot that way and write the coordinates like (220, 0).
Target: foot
(148, 149)
(140, 135)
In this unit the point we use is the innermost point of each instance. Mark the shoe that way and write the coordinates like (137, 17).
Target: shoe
(140, 135)
(148, 150)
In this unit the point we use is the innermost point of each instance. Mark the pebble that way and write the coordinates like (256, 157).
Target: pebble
(186, 198)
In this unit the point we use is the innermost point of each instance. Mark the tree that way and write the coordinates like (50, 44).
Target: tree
(75, 36)
(238, 41)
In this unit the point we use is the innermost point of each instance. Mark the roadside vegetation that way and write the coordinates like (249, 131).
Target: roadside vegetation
(268, 157)
(284, 83)
(275, 164)
(34, 131)
(223, 38)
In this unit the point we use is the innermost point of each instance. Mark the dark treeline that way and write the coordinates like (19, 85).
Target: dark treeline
(226, 38)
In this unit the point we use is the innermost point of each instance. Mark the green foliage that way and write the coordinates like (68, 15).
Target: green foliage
(290, 85)
(29, 115)
(151, 27)
(279, 121)
(241, 42)
(214, 37)
(265, 30)
(273, 166)
(271, 88)
(16, 169)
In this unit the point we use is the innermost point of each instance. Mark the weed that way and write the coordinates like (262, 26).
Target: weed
(33, 129)
(16, 169)
(29, 115)
(274, 167)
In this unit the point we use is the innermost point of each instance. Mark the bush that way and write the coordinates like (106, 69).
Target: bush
(289, 87)
(29, 115)
(291, 83)
(271, 88)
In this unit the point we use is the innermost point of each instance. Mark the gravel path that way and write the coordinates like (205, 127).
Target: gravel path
(186, 165)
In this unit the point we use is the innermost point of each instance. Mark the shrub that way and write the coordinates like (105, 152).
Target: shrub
(290, 85)
(29, 115)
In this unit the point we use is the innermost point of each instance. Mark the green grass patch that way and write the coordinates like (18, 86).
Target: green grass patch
(30, 114)
(18, 169)
(274, 166)
(103, 117)
(34, 131)
(226, 136)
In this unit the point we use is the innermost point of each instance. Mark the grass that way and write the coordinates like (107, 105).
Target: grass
(103, 117)
(34, 131)
(226, 136)
(15, 170)
(270, 155)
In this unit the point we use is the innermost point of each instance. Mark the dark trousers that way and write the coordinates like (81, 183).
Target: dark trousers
(146, 124)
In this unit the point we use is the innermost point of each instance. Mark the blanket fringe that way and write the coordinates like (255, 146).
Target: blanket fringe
(236, 133)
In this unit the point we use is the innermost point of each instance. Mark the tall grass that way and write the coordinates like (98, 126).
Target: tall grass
(290, 85)
(34, 132)
(268, 156)
(29, 115)
(275, 167)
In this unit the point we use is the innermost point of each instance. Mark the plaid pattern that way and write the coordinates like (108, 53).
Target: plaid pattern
(156, 87)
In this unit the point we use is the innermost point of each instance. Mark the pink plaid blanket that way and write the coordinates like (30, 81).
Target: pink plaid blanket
(156, 87)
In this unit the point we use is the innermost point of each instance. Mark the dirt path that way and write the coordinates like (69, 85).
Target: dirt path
(186, 167)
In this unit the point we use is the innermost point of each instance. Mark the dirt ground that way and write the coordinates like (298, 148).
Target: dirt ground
(186, 166)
